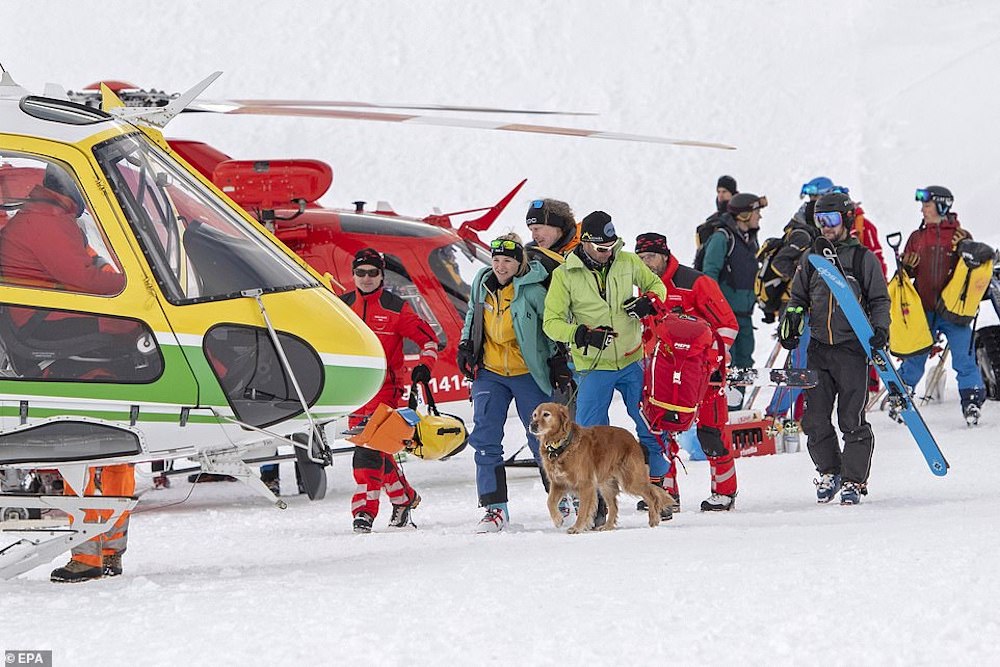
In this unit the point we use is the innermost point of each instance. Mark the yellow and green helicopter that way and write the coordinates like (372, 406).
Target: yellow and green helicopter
(145, 316)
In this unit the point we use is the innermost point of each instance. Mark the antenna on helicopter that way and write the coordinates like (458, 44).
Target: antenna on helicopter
(9, 87)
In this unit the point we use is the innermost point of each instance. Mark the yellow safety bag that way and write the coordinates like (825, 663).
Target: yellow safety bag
(908, 331)
(960, 297)
(438, 436)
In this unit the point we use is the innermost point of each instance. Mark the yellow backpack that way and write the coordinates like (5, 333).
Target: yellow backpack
(960, 297)
(909, 334)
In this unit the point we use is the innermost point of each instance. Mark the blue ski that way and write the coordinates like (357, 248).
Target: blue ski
(849, 305)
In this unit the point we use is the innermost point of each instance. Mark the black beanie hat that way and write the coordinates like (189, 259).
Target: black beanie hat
(598, 228)
(651, 242)
(369, 256)
(540, 213)
(727, 182)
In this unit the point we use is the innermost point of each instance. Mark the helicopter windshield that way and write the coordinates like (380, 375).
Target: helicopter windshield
(198, 249)
(454, 265)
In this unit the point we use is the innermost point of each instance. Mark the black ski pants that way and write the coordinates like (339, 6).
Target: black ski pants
(843, 377)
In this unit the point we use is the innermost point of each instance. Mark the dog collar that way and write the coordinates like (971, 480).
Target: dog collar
(554, 452)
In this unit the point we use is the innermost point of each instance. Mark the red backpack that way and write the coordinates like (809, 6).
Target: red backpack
(685, 355)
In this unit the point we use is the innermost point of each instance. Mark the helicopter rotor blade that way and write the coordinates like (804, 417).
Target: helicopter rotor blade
(414, 107)
(457, 122)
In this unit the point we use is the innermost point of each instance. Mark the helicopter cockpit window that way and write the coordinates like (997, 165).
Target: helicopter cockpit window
(397, 281)
(50, 239)
(453, 264)
(198, 248)
(63, 345)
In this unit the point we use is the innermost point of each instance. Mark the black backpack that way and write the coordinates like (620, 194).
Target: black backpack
(705, 231)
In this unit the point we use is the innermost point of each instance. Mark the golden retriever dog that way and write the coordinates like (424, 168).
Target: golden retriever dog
(584, 460)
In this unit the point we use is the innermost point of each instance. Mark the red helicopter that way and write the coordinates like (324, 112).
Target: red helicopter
(428, 259)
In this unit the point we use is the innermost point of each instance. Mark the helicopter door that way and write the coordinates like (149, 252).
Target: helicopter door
(80, 339)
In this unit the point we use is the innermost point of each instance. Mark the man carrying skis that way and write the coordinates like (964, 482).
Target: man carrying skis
(836, 354)
(930, 257)
(694, 293)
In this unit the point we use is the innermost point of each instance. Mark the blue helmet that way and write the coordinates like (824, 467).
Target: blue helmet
(820, 185)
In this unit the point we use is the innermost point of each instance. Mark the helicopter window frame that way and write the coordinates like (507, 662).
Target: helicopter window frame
(403, 286)
(93, 231)
(199, 249)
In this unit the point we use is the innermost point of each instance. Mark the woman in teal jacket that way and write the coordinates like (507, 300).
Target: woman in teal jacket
(508, 357)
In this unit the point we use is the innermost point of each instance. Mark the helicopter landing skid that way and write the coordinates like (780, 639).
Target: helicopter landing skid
(33, 550)
(232, 465)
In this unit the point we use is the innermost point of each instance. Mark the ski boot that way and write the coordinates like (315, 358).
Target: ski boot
(972, 401)
(896, 404)
(401, 513)
(826, 487)
(851, 492)
(718, 502)
(569, 505)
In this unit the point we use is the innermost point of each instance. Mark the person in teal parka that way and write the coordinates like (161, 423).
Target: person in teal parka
(730, 258)
(508, 357)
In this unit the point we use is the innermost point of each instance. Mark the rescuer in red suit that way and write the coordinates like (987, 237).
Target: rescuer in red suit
(392, 319)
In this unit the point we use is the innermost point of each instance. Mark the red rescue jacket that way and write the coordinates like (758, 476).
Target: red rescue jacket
(392, 319)
(697, 294)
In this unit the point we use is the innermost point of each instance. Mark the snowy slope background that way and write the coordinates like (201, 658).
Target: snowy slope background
(882, 97)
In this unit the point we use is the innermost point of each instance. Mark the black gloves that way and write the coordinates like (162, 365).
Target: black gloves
(879, 339)
(466, 359)
(792, 327)
(421, 373)
(599, 337)
(560, 375)
(639, 307)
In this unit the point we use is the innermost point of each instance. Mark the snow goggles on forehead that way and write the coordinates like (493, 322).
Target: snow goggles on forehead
(506, 248)
(829, 218)
(367, 273)
(812, 190)
(537, 203)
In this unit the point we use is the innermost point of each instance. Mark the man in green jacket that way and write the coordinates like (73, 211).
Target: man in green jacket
(591, 305)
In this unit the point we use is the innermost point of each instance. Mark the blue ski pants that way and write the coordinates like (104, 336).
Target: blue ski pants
(491, 397)
(963, 357)
(597, 388)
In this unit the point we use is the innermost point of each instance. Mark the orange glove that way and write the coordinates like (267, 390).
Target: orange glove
(959, 236)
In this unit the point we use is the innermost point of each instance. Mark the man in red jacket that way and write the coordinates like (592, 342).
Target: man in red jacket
(697, 294)
(392, 319)
(930, 257)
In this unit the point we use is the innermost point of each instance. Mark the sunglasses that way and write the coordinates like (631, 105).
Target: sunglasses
(504, 244)
(829, 218)
(367, 273)
(604, 248)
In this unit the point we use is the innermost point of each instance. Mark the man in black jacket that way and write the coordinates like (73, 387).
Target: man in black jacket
(837, 355)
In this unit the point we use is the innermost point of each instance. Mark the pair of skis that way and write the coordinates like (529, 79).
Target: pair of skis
(824, 259)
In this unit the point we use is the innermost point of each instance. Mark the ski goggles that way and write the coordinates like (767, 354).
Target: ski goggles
(924, 195)
(367, 273)
(829, 218)
(812, 190)
(506, 248)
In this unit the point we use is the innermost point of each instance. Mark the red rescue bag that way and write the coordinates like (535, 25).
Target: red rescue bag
(685, 354)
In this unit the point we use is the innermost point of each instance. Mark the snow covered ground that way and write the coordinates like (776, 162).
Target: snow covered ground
(883, 97)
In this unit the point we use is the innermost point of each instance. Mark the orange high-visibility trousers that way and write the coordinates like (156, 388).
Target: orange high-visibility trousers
(116, 480)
